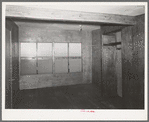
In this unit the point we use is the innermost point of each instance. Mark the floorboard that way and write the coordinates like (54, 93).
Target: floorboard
(84, 96)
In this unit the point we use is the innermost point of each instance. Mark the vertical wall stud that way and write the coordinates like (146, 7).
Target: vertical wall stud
(36, 58)
(81, 58)
(11, 67)
(53, 61)
(68, 58)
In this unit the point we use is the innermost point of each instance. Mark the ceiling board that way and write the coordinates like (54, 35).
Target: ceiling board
(130, 10)
(43, 13)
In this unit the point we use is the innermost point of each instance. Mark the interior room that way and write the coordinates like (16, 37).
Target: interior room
(60, 57)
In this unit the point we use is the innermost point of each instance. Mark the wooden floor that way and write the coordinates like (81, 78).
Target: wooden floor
(85, 96)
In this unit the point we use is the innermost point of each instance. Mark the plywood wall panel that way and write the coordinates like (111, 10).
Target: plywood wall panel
(133, 64)
(15, 61)
(111, 55)
(118, 66)
(42, 34)
(109, 66)
(97, 58)
(50, 80)
(8, 74)
(87, 57)
(138, 58)
(12, 61)
(111, 29)
(127, 65)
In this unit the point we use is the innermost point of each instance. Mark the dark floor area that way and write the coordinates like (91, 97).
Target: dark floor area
(85, 96)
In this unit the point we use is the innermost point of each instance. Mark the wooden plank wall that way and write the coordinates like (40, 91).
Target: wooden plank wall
(133, 64)
(97, 58)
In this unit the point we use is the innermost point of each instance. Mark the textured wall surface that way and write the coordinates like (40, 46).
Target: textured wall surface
(118, 67)
(109, 76)
(133, 64)
(138, 56)
(12, 63)
(112, 34)
(96, 58)
(48, 80)
(42, 34)
(111, 29)
(119, 64)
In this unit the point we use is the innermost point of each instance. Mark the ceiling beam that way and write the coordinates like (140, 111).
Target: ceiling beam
(61, 15)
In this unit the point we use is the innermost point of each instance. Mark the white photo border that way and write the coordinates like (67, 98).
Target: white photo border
(74, 114)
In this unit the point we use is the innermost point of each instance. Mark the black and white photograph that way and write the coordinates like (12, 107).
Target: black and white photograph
(74, 60)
